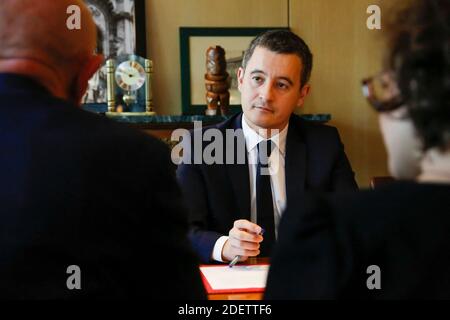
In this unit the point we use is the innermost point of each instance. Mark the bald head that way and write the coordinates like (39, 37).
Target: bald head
(37, 29)
(35, 33)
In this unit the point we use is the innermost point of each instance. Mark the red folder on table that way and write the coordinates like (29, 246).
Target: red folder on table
(238, 279)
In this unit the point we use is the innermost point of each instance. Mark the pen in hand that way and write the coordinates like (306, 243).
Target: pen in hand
(236, 259)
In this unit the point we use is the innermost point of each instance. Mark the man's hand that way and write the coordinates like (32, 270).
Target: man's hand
(243, 241)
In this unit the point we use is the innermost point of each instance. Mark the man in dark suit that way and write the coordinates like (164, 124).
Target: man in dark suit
(231, 202)
(89, 208)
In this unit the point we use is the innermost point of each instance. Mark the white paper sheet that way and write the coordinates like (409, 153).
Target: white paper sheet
(237, 277)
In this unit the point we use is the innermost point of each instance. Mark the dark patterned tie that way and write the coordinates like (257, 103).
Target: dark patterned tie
(264, 203)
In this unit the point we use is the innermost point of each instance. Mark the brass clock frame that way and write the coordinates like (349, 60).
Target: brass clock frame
(111, 90)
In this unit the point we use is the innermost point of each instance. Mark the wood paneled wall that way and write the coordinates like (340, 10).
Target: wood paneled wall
(164, 17)
(345, 51)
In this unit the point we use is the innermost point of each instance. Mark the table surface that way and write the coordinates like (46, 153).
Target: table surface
(245, 295)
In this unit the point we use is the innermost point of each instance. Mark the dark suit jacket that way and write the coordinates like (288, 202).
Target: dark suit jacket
(218, 194)
(326, 246)
(79, 189)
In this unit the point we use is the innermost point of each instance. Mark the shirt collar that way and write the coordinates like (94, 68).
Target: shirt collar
(252, 138)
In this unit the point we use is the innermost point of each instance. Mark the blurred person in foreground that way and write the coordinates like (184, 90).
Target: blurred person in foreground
(395, 239)
(83, 199)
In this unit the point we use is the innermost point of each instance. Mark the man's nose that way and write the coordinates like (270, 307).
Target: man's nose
(266, 92)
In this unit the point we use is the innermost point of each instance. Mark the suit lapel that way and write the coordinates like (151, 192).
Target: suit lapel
(295, 162)
(239, 177)
(240, 183)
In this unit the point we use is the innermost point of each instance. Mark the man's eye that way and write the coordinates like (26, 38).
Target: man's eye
(282, 85)
(257, 79)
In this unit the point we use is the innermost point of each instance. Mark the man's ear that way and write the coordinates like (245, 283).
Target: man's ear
(240, 77)
(304, 91)
(86, 72)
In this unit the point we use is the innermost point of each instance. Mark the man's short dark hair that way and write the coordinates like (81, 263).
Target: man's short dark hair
(286, 42)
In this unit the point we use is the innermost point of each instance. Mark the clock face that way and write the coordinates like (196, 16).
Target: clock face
(130, 75)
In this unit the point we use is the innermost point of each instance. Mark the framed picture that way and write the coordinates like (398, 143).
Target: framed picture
(120, 30)
(193, 45)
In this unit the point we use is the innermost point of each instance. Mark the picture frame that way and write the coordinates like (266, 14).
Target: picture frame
(194, 41)
(121, 30)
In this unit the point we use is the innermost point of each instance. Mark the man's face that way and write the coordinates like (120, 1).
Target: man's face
(270, 88)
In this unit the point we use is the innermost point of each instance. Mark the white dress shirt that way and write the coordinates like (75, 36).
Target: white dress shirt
(277, 177)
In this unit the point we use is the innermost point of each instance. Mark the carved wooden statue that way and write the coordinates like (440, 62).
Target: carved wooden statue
(216, 81)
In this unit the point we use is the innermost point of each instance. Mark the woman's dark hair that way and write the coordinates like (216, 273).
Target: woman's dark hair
(419, 53)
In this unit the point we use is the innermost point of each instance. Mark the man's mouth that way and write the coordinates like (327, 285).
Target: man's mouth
(263, 108)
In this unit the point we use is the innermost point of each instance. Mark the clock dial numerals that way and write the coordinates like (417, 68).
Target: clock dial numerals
(124, 85)
(130, 75)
